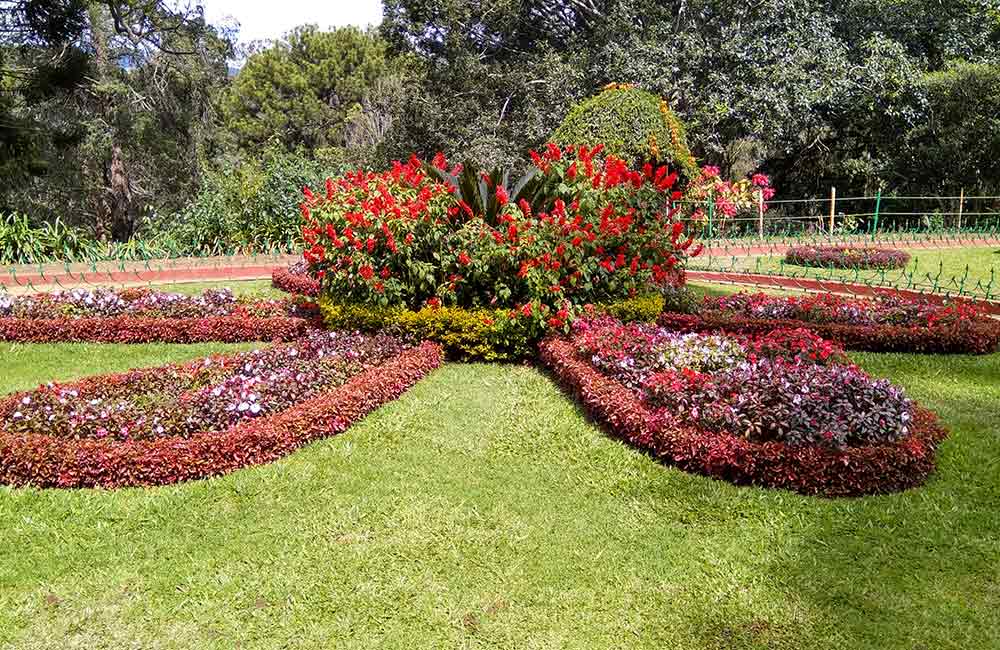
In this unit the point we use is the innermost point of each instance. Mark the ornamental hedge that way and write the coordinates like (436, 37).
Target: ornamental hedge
(116, 460)
(813, 469)
(882, 324)
(847, 257)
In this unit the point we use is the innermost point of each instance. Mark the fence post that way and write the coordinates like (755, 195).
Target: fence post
(760, 213)
(961, 201)
(711, 210)
(878, 206)
(833, 207)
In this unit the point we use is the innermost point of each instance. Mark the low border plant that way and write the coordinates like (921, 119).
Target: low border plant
(745, 414)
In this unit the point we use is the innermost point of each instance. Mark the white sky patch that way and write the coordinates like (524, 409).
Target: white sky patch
(271, 19)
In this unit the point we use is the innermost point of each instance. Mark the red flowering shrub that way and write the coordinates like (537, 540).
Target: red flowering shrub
(884, 324)
(847, 257)
(295, 279)
(600, 233)
(810, 469)
(44, 460)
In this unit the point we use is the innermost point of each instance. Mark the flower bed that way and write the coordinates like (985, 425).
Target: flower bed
(209, 417)
(295, 279)
(144, 315)
(781, 410)
(847, 257)
(582, 228)
(882, 324)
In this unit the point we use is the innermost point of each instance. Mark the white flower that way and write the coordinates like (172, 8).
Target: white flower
(26, 400)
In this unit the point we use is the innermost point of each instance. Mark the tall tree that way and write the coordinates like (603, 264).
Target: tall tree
(299, 92)
(121, 136)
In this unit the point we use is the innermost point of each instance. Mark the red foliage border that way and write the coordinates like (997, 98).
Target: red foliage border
(808, 470)
(975, 337)
(130, 329)
(49, 461)
(296, 283)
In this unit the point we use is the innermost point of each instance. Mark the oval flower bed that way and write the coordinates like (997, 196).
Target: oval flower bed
(146, 315)
(881, 324)
(295, 279)
(207, 417)
(847, 257)
(782, 410)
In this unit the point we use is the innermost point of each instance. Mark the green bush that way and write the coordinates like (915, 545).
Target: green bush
(482, 334)
(248, 206)
(633, 124)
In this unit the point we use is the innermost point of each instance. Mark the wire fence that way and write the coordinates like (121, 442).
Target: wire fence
(873, 216)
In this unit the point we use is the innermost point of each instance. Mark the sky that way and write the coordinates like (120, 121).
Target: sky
(264, 19)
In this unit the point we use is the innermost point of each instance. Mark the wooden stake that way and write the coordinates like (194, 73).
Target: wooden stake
(833, 206)
(760, 213)
(961, 201)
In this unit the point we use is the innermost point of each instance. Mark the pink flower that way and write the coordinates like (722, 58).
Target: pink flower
(760, 180)
(710, 171)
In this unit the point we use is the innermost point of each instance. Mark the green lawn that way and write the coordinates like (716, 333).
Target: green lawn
(944, 268)
(482, 510)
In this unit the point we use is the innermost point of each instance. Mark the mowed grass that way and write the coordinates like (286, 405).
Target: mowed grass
(974, 269)
(482, 510)
(26, 365)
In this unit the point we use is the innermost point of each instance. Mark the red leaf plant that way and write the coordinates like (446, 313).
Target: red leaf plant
(97, 458)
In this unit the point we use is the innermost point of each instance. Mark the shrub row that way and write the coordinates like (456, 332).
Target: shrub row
(48, 461)
(811, 469)
(969, 337)
(295, 280)
(486, 334)
(128, 329)
(847, 257)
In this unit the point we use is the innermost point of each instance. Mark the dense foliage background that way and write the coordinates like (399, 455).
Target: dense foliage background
(125, 119)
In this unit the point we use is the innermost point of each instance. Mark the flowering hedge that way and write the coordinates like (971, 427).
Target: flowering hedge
(235, 437)
(820, 469)
(882, 324)
(847, 257)
(144, 316)
(594, 231)
(295, 279)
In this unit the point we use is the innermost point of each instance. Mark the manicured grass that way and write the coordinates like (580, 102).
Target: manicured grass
(24, 366)
(482, 510)
(943, 269)
(258, 288)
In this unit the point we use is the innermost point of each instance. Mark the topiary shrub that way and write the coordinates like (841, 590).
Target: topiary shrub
(633, 124)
